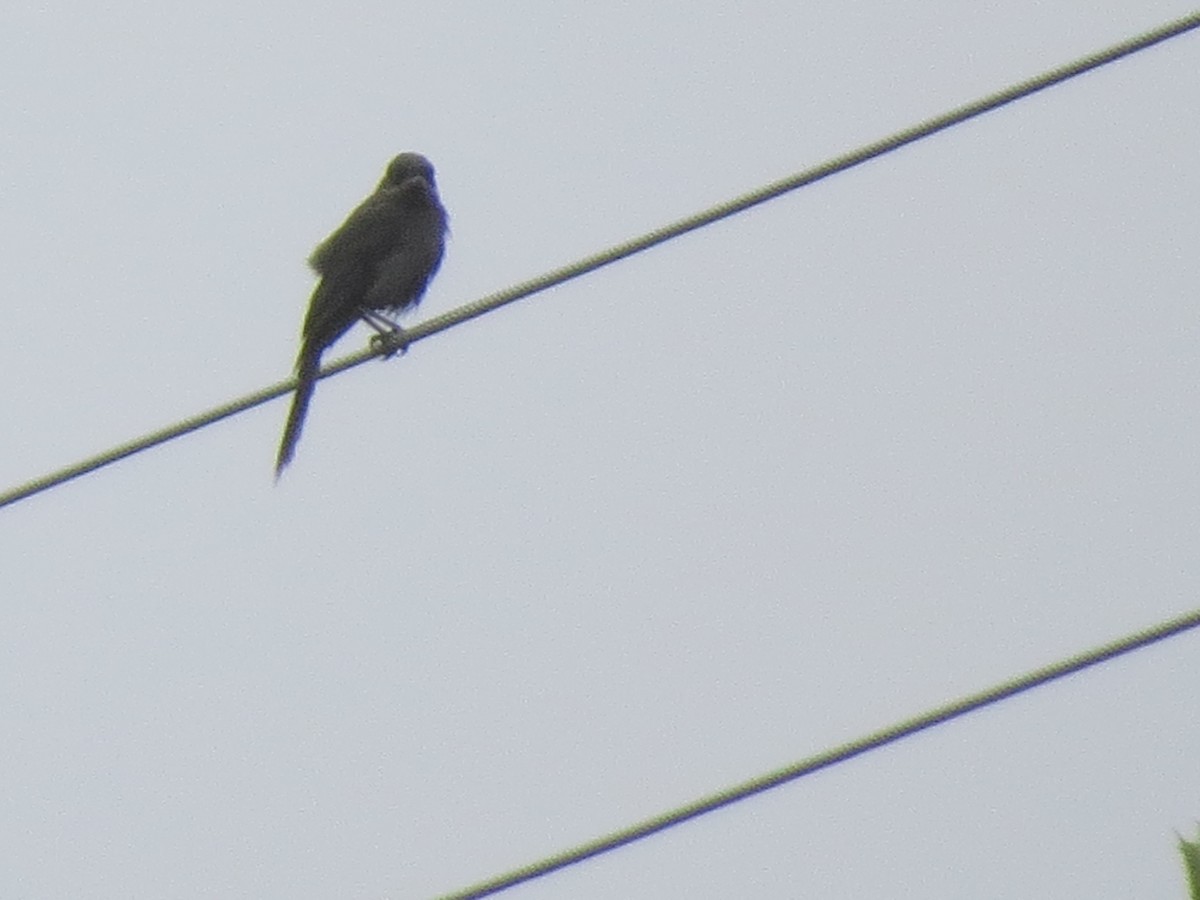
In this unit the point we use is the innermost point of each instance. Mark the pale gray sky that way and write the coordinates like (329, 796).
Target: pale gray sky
(890, 439)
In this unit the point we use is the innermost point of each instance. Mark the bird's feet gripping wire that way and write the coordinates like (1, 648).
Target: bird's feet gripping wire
(391, 338)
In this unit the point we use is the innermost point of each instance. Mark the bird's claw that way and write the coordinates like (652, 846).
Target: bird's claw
(390, 342)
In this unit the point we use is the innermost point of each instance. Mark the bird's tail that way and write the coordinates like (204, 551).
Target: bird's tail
(307, 367)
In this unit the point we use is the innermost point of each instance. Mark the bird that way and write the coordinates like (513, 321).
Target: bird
(380, 260)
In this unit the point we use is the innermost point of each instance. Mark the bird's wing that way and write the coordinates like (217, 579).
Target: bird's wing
(366, 237)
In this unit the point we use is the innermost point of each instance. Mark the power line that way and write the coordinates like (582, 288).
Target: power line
(668, 232)
(873, 741)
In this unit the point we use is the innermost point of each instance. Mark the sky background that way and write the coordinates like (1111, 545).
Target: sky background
(890, 439)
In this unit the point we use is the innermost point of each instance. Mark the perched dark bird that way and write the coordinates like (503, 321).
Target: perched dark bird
(380, 260)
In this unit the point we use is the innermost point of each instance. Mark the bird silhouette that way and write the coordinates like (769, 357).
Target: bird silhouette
(379, 261)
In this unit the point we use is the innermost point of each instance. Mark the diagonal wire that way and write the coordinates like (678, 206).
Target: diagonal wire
(841, 754)
(636, 245)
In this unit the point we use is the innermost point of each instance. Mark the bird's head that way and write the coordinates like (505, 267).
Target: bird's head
(406, 166)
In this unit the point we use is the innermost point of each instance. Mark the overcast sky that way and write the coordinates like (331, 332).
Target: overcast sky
(885, 441)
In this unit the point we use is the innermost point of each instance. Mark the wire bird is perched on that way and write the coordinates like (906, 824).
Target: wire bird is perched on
(379, 261)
